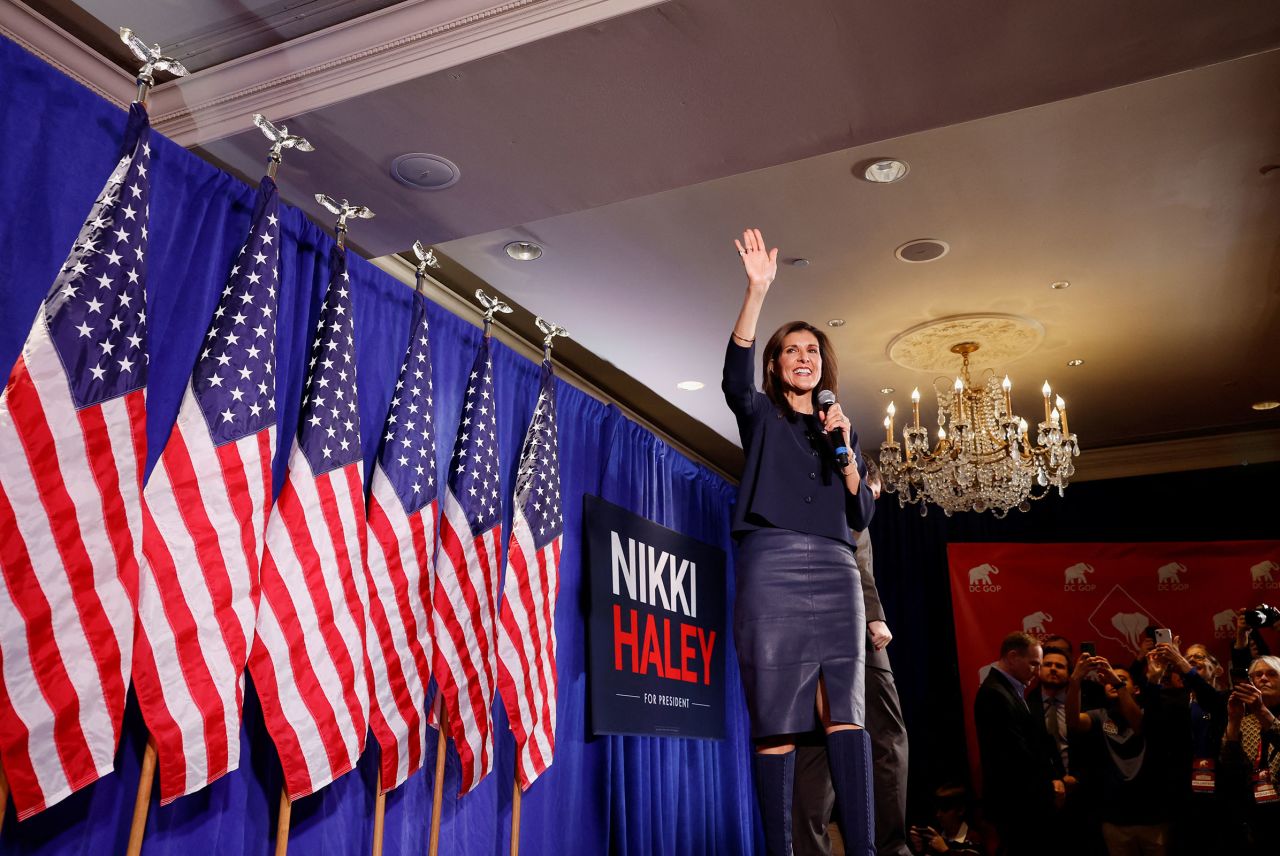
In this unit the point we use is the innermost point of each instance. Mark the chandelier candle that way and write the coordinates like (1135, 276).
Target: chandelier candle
(915, 407)
(1062, 408)
(1047, 391)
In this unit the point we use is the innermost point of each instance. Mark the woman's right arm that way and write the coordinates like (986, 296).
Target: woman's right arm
(761, 267)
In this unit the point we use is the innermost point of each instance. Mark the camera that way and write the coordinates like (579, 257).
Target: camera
(1262, 615)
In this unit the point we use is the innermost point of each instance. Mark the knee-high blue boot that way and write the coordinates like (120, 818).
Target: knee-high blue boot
(849, 755)
(775, 780)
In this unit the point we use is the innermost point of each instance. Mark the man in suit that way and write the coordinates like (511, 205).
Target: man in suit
(814, 797)
(1020, 788)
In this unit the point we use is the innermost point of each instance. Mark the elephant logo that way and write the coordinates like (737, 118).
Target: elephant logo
(1261, 573)
(1169, 577)
(1076, 577)
(1131, 625)
(980, 578)
(1076, 573)
(1224, 624)
(1034, 623)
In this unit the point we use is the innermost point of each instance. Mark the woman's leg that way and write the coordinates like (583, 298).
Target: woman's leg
(849, 756)
(774, 763)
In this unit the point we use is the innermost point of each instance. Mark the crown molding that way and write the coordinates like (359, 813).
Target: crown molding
(1172, 456)
(40, 36)
(393, 45)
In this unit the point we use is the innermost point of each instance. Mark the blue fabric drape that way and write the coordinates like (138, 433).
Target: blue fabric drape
(617, 794)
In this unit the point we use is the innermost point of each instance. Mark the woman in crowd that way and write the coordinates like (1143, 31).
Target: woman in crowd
(799, 619)
(1250, 759)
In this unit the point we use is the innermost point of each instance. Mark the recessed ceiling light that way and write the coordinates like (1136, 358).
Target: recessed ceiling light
(1059, 285)
(835, 322)
(1266, 405)
(1076, 362)
(690, 384)
(523, 251)
(885, 171)
(886, 390)
(799, 262)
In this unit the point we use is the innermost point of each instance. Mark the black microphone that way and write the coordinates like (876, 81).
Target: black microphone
(826, 398)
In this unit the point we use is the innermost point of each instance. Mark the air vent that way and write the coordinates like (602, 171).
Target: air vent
(922, 250)
(422, 171)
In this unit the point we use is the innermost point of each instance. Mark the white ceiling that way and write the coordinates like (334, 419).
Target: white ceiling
(1117, 146)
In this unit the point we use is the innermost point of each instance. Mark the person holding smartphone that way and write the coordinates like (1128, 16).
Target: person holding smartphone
(1135, 792)
(1250, 760)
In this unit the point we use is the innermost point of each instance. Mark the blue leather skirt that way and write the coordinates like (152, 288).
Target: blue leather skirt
(798, 615)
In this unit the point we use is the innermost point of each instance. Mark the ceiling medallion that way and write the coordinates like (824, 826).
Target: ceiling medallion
(983, 459)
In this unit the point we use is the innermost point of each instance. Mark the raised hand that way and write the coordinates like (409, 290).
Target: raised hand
(761, 265)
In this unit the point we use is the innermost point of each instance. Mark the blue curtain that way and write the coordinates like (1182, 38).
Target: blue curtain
(615, 794)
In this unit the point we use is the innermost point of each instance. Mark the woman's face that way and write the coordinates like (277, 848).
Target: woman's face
(799, 363)
(1198, 656)
(1266, 679)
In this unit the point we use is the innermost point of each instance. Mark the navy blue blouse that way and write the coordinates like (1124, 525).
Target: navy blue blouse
(790, 479)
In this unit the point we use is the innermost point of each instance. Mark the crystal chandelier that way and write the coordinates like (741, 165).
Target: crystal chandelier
(983, 458)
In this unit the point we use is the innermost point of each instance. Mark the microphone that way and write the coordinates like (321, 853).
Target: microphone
(826, 398)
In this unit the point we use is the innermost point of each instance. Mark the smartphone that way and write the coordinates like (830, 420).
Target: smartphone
(1239, 676)
(1164, 636)
(1089, 648)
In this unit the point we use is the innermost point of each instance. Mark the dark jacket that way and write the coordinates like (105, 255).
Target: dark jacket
(1017, 763)
(790, 480)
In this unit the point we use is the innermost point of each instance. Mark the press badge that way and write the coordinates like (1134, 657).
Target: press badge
(1202, 776)
(1264, 788)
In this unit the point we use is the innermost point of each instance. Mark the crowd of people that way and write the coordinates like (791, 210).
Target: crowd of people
(1172, 753)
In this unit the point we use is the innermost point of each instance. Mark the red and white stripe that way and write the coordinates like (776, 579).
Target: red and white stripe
(198, 595)
(527, 648)
(308, 655)
(70, 527)
(464, 602)
(400, 651)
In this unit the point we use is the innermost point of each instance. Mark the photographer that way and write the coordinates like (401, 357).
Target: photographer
(1250, 760)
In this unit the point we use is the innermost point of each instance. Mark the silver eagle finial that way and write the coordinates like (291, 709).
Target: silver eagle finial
(152, 61)
(280, 139)
(426, 258)
(344, 210)
(549, 331)
(492, 306)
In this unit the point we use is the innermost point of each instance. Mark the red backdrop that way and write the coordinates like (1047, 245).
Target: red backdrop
(1105, 593)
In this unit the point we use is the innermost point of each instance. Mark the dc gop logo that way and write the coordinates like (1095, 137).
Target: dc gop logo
(1169, 577)
(1264, 575)
(1076, 578)
(980, 578)
(1224, 624)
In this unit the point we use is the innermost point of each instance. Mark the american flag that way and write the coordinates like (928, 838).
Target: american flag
(527, 629)
(308, 657)
(72, 452)
(464, 597)
(402, 520)
(207, 502)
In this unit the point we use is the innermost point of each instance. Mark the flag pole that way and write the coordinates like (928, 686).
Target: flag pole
(282, 823)
(379, 814)
(515, 814)
(142, 802)
(437, 796)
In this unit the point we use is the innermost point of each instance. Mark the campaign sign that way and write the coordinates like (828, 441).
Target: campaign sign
(656, 629)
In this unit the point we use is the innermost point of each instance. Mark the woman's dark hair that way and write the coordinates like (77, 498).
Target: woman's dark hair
(773, 349)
